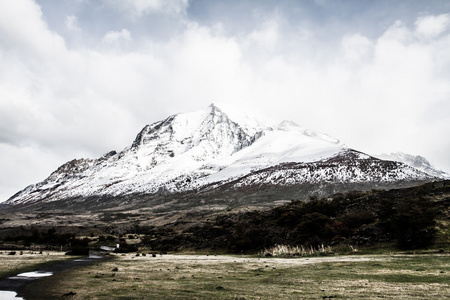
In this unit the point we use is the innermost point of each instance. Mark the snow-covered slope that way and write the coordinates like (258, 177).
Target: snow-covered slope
(416, 161)
(346, 166)
(210, 148)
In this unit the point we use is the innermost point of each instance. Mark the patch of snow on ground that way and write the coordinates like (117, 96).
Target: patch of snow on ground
(35, 274)
(8, 295)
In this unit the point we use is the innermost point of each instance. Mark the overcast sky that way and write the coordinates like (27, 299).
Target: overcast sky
(79, 78)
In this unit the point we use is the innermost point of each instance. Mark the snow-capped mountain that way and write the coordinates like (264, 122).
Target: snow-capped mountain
(416, 161)
(210, 149)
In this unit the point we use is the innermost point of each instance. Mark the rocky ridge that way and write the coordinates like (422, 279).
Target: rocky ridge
(416, 161)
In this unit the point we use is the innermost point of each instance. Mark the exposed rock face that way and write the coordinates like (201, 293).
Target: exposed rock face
(209, 149)
(347, 166)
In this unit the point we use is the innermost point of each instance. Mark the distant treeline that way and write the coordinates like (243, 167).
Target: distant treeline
(49, 237)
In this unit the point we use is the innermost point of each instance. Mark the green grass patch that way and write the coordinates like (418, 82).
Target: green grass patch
(245, 277)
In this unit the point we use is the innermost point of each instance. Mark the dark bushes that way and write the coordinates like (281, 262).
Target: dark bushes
(409, 222)
(402, 217)
(49, 237)
(78, 247)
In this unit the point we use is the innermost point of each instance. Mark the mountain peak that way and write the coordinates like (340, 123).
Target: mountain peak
(206, 148)
(213, 107)
(214, 113)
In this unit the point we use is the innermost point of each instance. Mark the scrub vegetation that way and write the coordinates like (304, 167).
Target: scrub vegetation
(411, 218)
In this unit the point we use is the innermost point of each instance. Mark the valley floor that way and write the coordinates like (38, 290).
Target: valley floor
(399, 276)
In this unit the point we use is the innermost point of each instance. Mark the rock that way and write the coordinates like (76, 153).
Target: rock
(69, 294)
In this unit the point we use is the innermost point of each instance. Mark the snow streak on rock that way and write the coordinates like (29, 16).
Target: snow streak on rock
(418, 162)
(348, 166)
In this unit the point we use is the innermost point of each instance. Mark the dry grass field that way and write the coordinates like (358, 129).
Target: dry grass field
(397, 276)
(27, 261)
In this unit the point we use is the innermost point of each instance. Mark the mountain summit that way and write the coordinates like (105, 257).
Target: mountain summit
(214, 150)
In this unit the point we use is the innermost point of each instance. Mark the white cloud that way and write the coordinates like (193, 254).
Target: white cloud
(381, 94)
(27, 162)
(266, 37)
(398, 87)
(141, 7)
(72, 23)
(356, 47)
(22, 29)
(166, 6)
(432, 26)
(114, 37)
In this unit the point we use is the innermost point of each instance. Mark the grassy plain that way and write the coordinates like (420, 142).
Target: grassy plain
(29, 261)
(398, 276)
